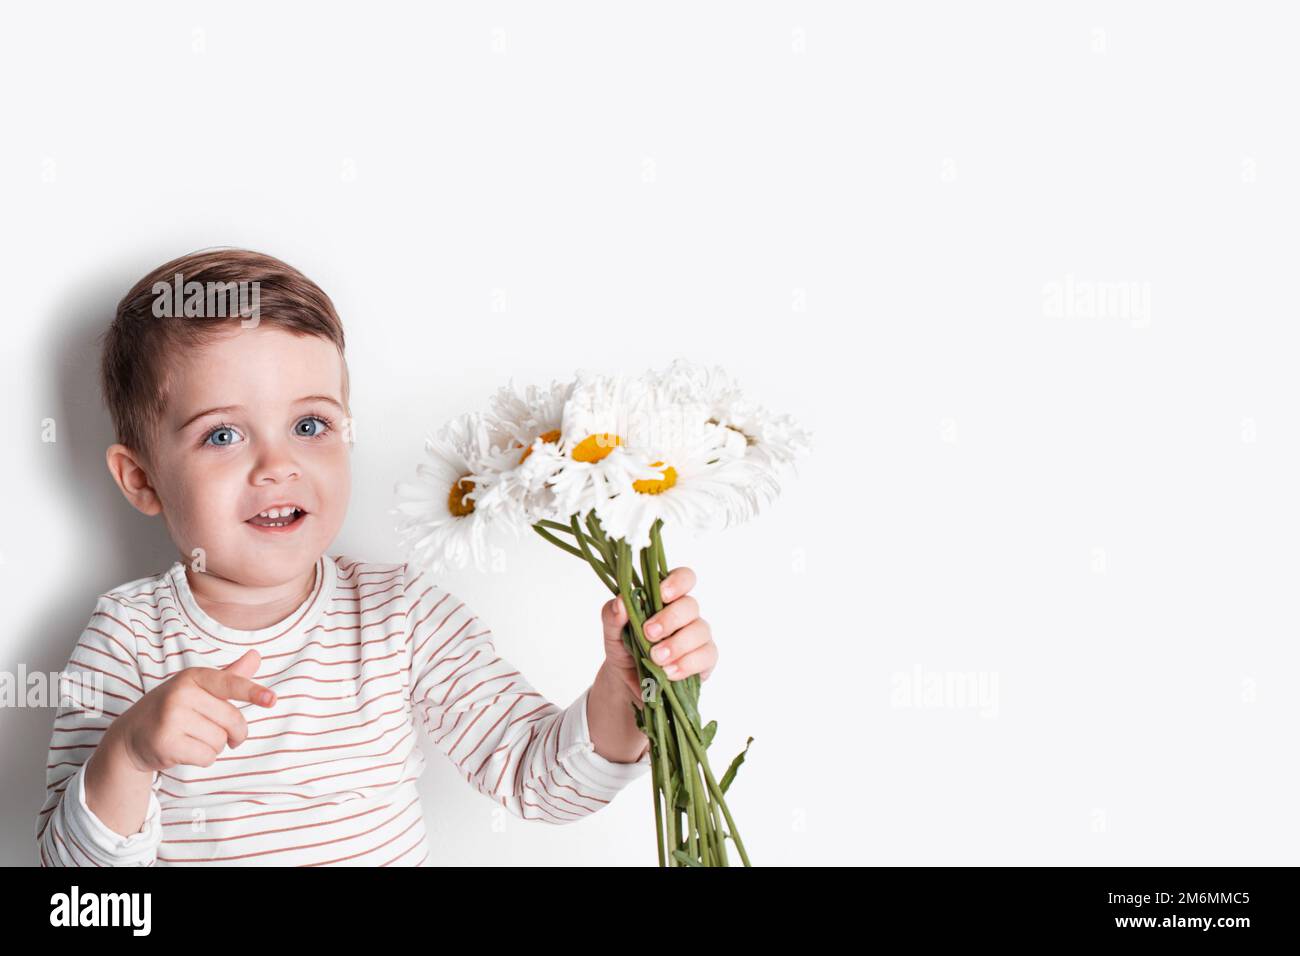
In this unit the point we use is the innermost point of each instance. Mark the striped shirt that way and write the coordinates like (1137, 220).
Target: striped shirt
(327, 774)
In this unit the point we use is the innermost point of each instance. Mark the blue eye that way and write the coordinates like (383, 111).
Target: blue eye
(217, 433)
(324, 426)
(312, 426)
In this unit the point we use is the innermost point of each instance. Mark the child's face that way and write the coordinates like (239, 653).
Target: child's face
(275, 448)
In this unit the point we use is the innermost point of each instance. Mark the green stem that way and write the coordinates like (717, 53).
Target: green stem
(665, 772)
(601, 569)
(585, 541)
(623, 569)
(659, 563)
(645, 723)
(556, 541)
(717, 828)
(596, 564)
(678, 712)
(599, 540)
(657, 543)
(708, 773)
(608, 547)
(659, 816)
(704, 819)
(558, 526)
(652, 579)
(674, 740)
(691, 825)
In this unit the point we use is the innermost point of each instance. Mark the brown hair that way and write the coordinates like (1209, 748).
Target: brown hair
(134, 365)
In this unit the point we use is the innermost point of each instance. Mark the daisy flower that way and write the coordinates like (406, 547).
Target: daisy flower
(767, 442)
(698, 472)
(590, 463)
(531, 425)
(443, 520)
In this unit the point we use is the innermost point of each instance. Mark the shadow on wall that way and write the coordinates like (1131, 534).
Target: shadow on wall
(115, 543)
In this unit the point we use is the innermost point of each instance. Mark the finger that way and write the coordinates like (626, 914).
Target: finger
(224, 715)
(195, 752)
(200, 728)
(246, 666)
(191, 752)
(676, 615)
(678, 582)
(694, 662)
(613, 616)
(693, 635)
(230, 686)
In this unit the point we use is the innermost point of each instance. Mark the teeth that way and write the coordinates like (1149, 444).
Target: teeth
(278, 513)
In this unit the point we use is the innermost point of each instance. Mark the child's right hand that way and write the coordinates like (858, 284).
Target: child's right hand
(187, 719)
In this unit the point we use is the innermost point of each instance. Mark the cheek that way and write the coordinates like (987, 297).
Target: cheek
(341, 486)
(206, 495)
(332, 471)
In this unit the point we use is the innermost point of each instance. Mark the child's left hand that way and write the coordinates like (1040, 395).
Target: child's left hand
(681, 641)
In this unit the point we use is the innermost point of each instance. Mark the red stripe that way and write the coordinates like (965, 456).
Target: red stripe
(301, 766)
(289, 849)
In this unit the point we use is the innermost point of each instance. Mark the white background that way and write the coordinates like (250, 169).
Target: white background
(864, 212)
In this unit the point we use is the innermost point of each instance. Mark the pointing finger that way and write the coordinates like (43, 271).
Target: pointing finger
(246, 666)
(230, 686)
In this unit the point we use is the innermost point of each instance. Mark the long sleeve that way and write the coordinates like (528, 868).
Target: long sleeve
(102, 680)
(510, 743)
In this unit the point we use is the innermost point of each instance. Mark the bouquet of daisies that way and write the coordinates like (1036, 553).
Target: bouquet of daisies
(598, 467)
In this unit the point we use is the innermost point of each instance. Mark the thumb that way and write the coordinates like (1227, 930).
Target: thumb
(613, 617)
(246, 666)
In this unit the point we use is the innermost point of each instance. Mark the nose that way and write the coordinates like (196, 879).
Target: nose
(275, 465)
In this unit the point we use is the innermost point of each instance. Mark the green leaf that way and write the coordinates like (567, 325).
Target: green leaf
(681, 795)
(735, 765)
(688, 692)
(687, 703)
(706, 735)
(685, 858)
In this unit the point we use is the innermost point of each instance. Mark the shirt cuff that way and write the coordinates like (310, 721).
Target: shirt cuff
(92, 832)
(578, 755)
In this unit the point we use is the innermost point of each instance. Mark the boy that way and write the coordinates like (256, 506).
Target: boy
(260, 697)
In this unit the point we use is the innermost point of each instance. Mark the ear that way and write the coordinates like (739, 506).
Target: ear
(129, 473)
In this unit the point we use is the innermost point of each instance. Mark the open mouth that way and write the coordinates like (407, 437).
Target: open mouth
(278, 519)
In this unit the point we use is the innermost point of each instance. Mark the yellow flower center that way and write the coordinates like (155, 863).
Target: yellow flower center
(456, 502)
(550, 437)
(595, 447)
(654, 486)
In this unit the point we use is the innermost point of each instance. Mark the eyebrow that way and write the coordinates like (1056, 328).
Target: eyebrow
(222, 409)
